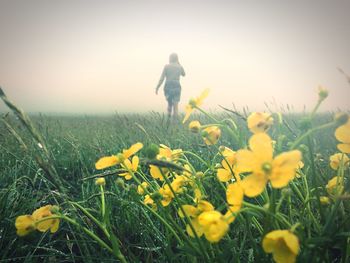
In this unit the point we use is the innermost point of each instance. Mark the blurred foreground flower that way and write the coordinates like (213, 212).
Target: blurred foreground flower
(259, 122)
(211, 135)
(342, 134)
(194, 126)
(195, 103)
(283, 245)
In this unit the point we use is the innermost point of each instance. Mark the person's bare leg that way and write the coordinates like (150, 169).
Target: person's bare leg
(176, 109)
(170, 107)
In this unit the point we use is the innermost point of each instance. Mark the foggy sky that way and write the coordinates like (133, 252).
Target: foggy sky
(105, 56)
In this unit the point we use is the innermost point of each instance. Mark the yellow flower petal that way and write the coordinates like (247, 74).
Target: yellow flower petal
(197, 228)
(343, 133)
(212, 135)
(261, 145)
(254, 184)
(107, 161)
(188, 111)
(135, 163)
(156, 172)
(24, 225)
(259, 122)
(55, 225)
(224, 175)
(344, 147)
(132, 150)
(200, 99)
(205, 206)
(292, 242)
(245, 160)
(284, 167)
(215, 232)
(338, 159)
(209, 217)
(190, 211)
(234, 195)
(127, 164)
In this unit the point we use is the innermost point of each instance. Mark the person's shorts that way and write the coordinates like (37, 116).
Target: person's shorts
(172, 91)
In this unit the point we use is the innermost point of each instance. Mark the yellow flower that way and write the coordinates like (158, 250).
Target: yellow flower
(195, 103)
(165, 154)
(100, 181)
(178, 183)
(193, 212)
(194, 126)
(214, 225)
(140, 188)
(167, 195)
(112, 160)
(338, 159)
(324, 200)
(335, 186)
(27, 223)
(342, 134)
(41, 213)
(283, 245)
(211, 135)
(259, 122)
(259, 161)
(131, 167)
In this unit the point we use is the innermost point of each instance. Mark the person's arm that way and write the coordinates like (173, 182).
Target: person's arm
(162, 77)
(183, 71)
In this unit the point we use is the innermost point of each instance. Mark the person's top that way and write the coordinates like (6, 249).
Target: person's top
(172, 72)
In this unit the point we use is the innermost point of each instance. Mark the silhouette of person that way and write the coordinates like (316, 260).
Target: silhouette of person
(172, 88)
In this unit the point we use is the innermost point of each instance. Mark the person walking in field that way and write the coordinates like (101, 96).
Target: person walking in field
(172, 88)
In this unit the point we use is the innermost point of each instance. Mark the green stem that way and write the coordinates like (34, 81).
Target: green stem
(103, 205)
(94, 219)
(309, 132)
(164, 222)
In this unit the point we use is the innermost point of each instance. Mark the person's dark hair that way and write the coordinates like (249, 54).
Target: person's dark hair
(173, 58)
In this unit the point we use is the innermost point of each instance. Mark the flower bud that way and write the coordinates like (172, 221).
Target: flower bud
(199, 174)
(152, 151)
(194, 126)
(322, 93)
(324, 200)
(100, 181)
(120, 183)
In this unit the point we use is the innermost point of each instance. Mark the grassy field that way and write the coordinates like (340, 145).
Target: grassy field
(115, 222)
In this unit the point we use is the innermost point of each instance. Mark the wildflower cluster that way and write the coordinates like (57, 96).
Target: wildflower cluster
(258, 179)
